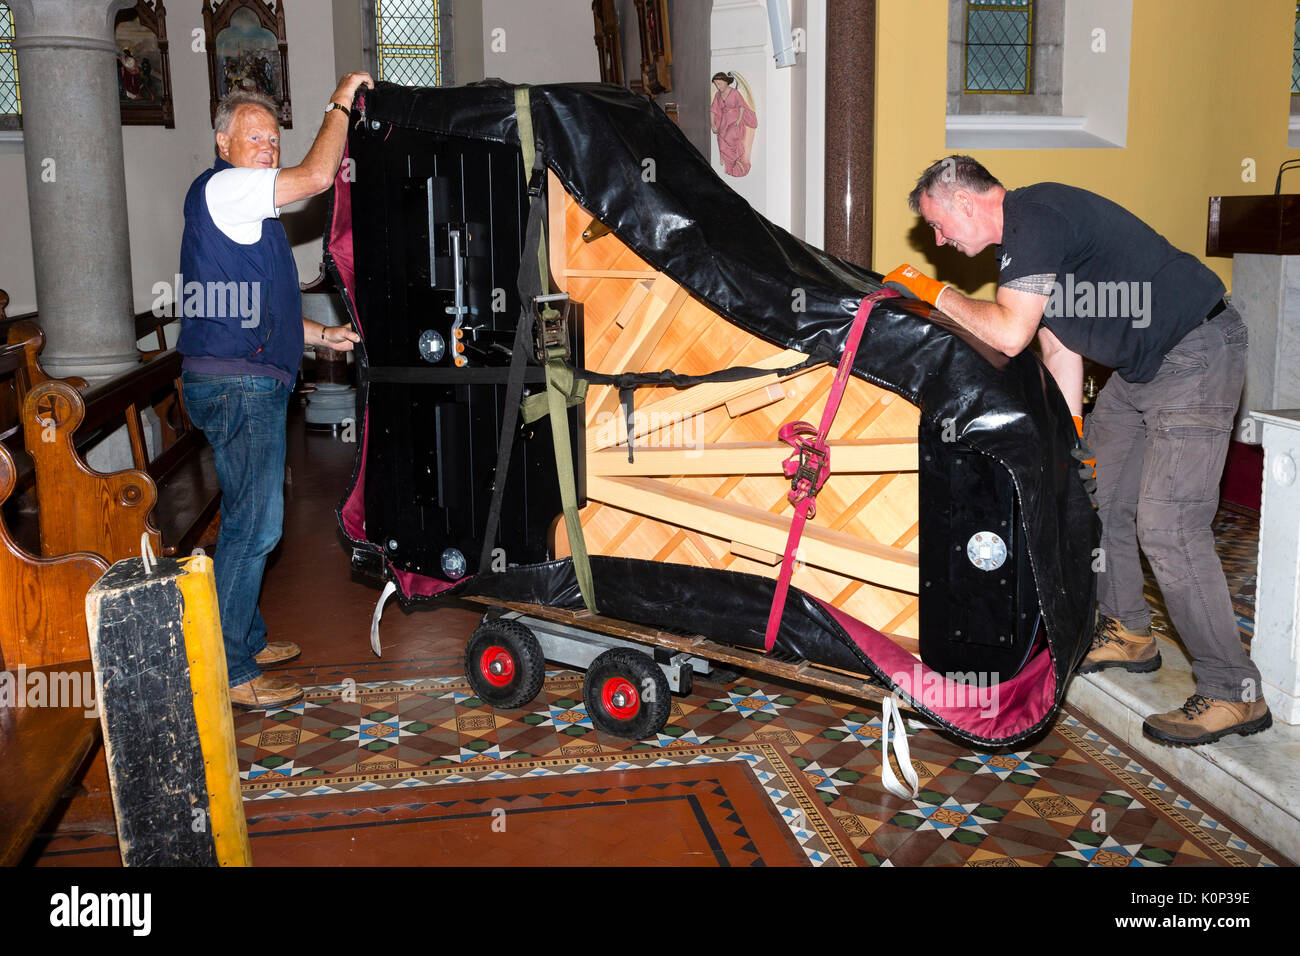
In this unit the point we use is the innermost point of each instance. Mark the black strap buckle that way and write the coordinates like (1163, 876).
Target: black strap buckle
(536, 180)
(812, 469)
(551, 327)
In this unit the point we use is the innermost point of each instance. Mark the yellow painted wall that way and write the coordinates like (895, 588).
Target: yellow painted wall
(1209, 87)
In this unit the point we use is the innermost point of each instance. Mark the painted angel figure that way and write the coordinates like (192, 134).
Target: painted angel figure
(734, 121)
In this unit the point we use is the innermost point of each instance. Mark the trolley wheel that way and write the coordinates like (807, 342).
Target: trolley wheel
(504, 664)
(627, 694)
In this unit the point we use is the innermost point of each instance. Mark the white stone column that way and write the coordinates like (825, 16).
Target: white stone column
(1276, 645)
(76, 184)
(1266, 291)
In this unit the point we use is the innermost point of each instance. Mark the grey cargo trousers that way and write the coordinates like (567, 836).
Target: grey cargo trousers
(1160, 449)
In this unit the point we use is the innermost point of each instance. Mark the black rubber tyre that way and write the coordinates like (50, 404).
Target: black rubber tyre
(504, 664)
(627, 694)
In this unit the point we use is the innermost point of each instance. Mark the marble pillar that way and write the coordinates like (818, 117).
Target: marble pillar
(1266, 291)
(76, 184)
(1275, 648)
(850, 126)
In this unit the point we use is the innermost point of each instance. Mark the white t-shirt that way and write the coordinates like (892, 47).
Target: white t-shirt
(239, 199)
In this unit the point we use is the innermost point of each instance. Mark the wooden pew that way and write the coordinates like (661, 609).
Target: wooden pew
(81, 509)
(13, 358)
(42, 628)
(30, 336)
(147, 324)
(23, 330)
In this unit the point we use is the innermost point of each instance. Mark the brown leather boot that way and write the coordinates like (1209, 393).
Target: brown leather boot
(263, 692)
(1114, 645)
(1203, 720)
(277, 652)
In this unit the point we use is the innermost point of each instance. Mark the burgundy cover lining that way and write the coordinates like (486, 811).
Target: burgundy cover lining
(1020, 703)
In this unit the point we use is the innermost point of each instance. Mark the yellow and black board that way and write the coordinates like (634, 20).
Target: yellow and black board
(169, 740)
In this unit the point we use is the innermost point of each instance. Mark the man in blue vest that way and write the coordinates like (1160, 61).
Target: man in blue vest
(1089, 278)
(242, 335)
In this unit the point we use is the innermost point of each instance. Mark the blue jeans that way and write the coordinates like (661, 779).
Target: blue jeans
(243, 417)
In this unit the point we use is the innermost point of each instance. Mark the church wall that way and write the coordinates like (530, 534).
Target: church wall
(161, 163)
(1208, 91)
(529, 42)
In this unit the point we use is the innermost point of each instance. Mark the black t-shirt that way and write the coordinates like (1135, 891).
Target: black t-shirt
(1123, 296)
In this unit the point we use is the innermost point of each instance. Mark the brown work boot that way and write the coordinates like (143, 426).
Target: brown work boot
(277, 652)
(1114, 645)
(264, 692)
(1203, 720)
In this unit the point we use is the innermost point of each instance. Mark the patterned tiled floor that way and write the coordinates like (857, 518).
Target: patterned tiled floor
(748, 774)
(396, 762)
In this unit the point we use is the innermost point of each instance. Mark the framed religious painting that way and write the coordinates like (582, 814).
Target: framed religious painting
(609, 45)
(656, 47)
(144, 78)
(247, 50)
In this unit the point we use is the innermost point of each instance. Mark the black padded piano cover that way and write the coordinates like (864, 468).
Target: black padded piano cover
(1002, 417)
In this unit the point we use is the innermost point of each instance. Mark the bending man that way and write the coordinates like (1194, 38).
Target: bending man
(1090, 278)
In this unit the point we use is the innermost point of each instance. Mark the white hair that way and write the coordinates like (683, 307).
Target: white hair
(229, 104)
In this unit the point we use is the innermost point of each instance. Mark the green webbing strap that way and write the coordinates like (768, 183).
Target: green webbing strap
(524, 121)
(561, 378)
(559, 385)
(558, 405)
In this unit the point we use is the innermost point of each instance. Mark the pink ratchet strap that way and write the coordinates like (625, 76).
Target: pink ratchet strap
(809, 465)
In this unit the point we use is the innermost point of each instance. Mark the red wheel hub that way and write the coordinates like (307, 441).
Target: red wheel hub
(619, 697)
(497, 666)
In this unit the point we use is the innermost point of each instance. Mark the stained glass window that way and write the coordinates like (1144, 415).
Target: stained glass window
(1295, 56)
(410, 42)
(10, 100)
(999, 45)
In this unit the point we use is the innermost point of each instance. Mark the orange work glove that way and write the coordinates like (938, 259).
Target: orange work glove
(1078, 427)
(916, 284)
(1087, 463)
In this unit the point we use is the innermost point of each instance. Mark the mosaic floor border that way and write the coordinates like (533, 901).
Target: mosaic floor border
(816, 759)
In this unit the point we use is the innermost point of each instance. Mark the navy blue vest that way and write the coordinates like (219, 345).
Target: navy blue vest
(240, 305)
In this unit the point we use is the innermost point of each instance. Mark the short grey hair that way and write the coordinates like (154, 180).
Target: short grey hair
(953, 172)
(231, 103)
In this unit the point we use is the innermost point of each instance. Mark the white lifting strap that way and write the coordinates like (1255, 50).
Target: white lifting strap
(892, 712)
(146, 554)
(389, 590)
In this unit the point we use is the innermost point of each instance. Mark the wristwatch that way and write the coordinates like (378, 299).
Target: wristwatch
(337, 106)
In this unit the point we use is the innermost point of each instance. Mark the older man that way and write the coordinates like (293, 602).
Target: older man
(242, 339)
(1090, 278)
